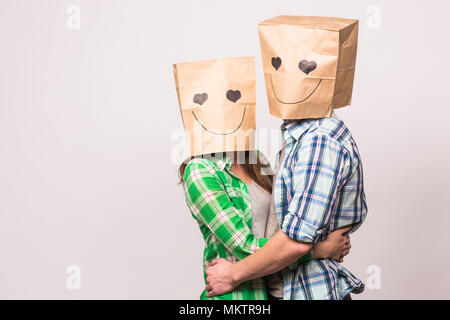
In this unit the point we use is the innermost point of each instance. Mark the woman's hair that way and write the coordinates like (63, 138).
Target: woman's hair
(258, 170)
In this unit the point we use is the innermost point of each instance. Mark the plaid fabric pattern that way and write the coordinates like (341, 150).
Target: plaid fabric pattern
(319, 188)
(220, 203)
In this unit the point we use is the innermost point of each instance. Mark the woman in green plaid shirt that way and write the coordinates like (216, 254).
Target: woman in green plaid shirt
(217, 196)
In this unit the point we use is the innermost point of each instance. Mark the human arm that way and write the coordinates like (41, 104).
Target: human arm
(281, 251)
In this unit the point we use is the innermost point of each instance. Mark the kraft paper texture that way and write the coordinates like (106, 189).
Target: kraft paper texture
(217, 101)
(309, 64)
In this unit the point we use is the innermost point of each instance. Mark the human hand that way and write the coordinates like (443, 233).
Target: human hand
(335, 246)
(219, 278)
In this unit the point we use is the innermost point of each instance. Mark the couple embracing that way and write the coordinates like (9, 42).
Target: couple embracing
(281, 233)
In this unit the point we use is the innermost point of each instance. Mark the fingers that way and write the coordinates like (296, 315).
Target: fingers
(346, 249)
(344, 240)
(209, 289)
(345, 229)
(214, 262)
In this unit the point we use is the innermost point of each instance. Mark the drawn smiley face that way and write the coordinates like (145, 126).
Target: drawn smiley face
(233, 96)
(304, 66)
(308, 64)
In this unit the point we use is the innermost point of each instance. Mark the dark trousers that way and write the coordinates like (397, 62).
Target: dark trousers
(347, 297)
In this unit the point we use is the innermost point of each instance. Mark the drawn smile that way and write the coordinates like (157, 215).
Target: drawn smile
(309, 95)
(222, 133)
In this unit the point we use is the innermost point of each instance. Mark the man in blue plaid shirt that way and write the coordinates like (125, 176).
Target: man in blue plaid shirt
(318, 190)
(319, 184)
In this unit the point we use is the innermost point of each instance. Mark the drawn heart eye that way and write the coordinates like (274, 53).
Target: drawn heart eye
(276, 62)
(200, 98)
(307, 66)
(233, 96)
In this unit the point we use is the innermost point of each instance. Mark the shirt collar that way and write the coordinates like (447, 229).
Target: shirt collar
(294, 130)
(224, 163)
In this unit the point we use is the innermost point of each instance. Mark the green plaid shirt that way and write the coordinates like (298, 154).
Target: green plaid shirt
(220, 203)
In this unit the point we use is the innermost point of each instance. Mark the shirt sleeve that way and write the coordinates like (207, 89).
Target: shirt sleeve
(210, 204)
(322, 163)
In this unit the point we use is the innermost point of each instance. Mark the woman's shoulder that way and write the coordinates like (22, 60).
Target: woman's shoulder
(200, 163)
(198, 166)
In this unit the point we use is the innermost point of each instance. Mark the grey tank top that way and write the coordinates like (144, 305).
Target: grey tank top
(265, 225)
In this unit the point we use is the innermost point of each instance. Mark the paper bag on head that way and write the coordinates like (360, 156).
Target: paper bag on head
(309, 64)
(217, 101)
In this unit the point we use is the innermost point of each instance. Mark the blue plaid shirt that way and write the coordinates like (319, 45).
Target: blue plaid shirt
(318, 189)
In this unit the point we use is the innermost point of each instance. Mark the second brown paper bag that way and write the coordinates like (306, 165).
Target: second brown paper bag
(309, 64)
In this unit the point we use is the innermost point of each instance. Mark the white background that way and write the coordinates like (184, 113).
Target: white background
(86, 118)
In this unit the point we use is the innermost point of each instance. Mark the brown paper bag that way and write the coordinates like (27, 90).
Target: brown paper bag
(309, 64)
(217, 101)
